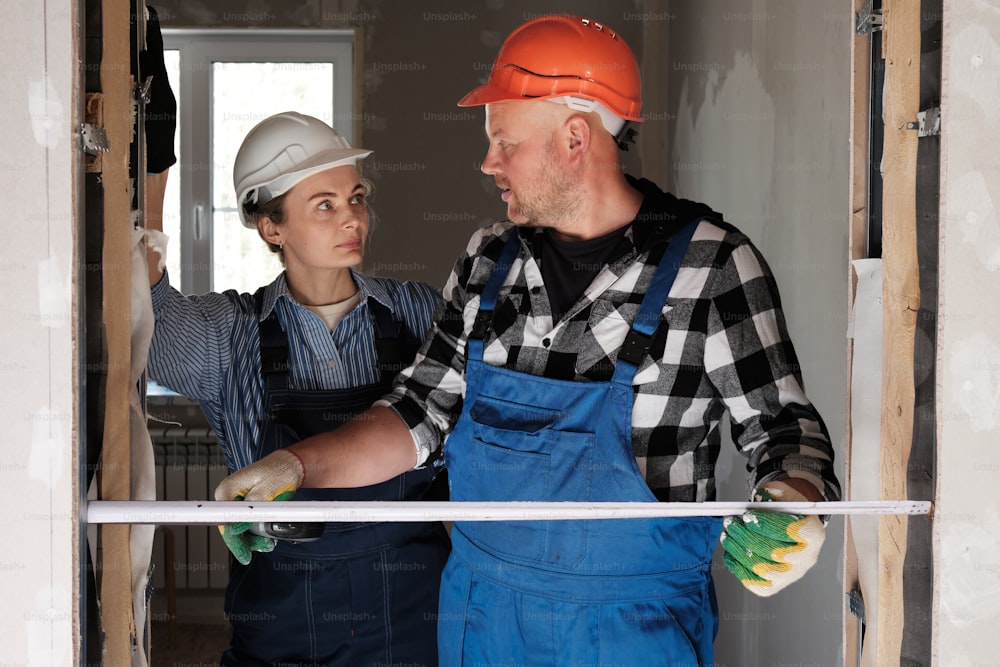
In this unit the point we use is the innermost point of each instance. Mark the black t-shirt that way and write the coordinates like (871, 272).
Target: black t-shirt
(568, 267)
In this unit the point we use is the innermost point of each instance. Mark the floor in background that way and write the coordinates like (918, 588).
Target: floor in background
(194, 634)
(193, 645)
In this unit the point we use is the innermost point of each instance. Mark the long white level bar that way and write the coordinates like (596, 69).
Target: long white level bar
(213, 512)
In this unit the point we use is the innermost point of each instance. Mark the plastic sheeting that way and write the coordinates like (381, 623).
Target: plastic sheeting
(866, 420)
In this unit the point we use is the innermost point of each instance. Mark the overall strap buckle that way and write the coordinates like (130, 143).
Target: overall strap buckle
(634, 347)
(640, 336)
(481, 325)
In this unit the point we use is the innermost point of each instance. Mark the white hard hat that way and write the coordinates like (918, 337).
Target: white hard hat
(282, 150)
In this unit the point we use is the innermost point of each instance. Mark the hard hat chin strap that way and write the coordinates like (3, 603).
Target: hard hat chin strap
(626, 135)
(254, 199)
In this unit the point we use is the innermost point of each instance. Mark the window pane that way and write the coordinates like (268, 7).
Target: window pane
(243, 261)
(243, 94)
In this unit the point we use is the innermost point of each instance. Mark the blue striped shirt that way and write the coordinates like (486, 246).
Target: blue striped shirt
(207, 347)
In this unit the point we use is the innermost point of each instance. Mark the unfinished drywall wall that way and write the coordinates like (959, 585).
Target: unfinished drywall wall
(39, 561)
(967, 518)
(758, 96)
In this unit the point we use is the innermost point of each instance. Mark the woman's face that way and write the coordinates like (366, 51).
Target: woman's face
(326, 221)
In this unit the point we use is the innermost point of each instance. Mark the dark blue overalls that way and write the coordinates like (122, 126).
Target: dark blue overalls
(363, 593)
(630, 592)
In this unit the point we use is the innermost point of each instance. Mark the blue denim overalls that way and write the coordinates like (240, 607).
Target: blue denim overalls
(363, 593)
(629, 592)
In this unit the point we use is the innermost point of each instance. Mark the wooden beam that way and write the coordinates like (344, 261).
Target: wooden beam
(900, 302)
(116, 87)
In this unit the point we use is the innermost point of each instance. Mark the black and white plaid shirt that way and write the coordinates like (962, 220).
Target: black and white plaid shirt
(722, 345)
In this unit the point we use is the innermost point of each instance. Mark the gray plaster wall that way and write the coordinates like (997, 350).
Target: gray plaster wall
(418, 60)
(967, 519)
(757, 102)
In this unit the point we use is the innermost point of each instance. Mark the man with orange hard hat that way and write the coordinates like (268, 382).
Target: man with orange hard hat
(588, 350)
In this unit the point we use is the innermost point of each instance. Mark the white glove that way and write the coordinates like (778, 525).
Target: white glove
(769, 550)
(279, 472)
(157, 242)
(274, 477)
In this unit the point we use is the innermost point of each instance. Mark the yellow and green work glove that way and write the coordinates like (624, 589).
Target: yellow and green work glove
(768, 550)
(274, 477)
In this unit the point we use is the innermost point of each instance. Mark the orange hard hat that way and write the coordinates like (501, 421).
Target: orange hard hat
(560, 56)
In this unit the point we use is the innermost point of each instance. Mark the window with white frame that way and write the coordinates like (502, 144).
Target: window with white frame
(225, 83)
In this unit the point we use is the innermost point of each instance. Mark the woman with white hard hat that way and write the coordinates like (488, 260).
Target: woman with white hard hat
(317, 345)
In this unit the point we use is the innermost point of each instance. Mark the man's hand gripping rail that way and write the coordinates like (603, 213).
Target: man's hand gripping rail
(766, 550)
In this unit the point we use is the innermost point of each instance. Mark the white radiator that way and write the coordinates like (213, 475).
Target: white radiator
(189, 465)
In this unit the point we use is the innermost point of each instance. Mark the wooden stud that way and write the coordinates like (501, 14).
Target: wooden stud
(900, 302)
(116, 87)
